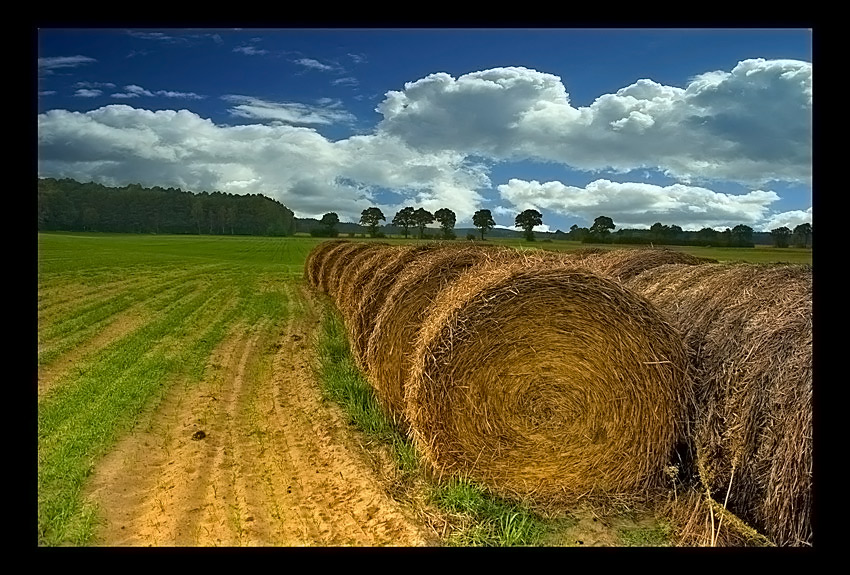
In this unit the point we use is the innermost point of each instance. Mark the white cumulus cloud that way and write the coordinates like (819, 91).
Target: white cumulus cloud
(790, 219)
(87, 93)
(639, 205)
(327, 112)
(750, 125)
(120, 144)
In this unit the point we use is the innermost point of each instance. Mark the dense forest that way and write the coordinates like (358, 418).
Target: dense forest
(68, 205)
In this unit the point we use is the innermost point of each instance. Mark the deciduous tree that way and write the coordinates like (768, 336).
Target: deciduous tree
(601, 228)
(329, 222)
(422, 218)
(483, 220)
(404, 219)
(742, 236)
(447, 219)
(526, 220)
(803, 235)
(371, 218)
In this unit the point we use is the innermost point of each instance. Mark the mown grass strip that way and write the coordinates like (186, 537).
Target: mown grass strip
(89, 413)
(192, 292)
(344, 384)
(80, 422)
(495, 522)
(655, 536)
(64, 333)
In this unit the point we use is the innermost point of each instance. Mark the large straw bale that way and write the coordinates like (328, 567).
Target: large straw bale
(624, 264)
(549, 383)
(749, 329)
(330, 260)
(358, 274)
(342, 259)
(584, 252)
(315, 259)
(374, 292)
(387, 354)
(700, 521)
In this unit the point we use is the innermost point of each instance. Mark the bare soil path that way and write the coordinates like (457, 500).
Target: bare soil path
(250, 456)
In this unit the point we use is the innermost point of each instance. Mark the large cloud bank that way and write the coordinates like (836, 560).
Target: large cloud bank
(636, 205)
(751, 125)
(119, 144)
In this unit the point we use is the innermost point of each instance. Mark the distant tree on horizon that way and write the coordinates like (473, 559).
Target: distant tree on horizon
(803, 235)
(601, 228)
(329, 222)
(527, 220)
(483, 220)
(780, 236)
(404, 219)
(371, 218)
(707, 235)
(422, 218)
(578, 234)
(198, 213)
(447, 219)
(742, 236)
(68, 205)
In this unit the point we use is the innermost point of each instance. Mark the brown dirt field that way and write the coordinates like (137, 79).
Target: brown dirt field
(276, 465)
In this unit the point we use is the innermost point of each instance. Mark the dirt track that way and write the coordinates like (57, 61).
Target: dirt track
(250, 456)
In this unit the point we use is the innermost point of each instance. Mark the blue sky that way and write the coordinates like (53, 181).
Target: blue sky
(691, 127)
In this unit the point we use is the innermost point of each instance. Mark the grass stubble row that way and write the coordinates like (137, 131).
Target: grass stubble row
(551, 377)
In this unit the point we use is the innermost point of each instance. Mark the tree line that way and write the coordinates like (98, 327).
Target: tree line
(740, 235)
(600, 231)
(410, 218)
(68, 205)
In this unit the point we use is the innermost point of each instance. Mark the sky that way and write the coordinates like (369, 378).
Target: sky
(689, 127)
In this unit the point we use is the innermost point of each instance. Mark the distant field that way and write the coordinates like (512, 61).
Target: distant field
(758, 254)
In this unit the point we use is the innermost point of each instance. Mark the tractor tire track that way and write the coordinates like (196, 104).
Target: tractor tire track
(249, 456)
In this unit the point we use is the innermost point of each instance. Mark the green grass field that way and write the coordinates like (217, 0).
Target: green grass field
(121, 318)
(167, 302)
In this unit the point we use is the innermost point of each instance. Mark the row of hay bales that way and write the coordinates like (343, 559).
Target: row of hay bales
(556, 376)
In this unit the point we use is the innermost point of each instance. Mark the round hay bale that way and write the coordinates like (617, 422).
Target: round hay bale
(546, 382)
(749, 329)
(342, 260)
(373, 294)
(315, 260)
(330, 260)
(387, 353)
(624, 264)
(358, 274)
